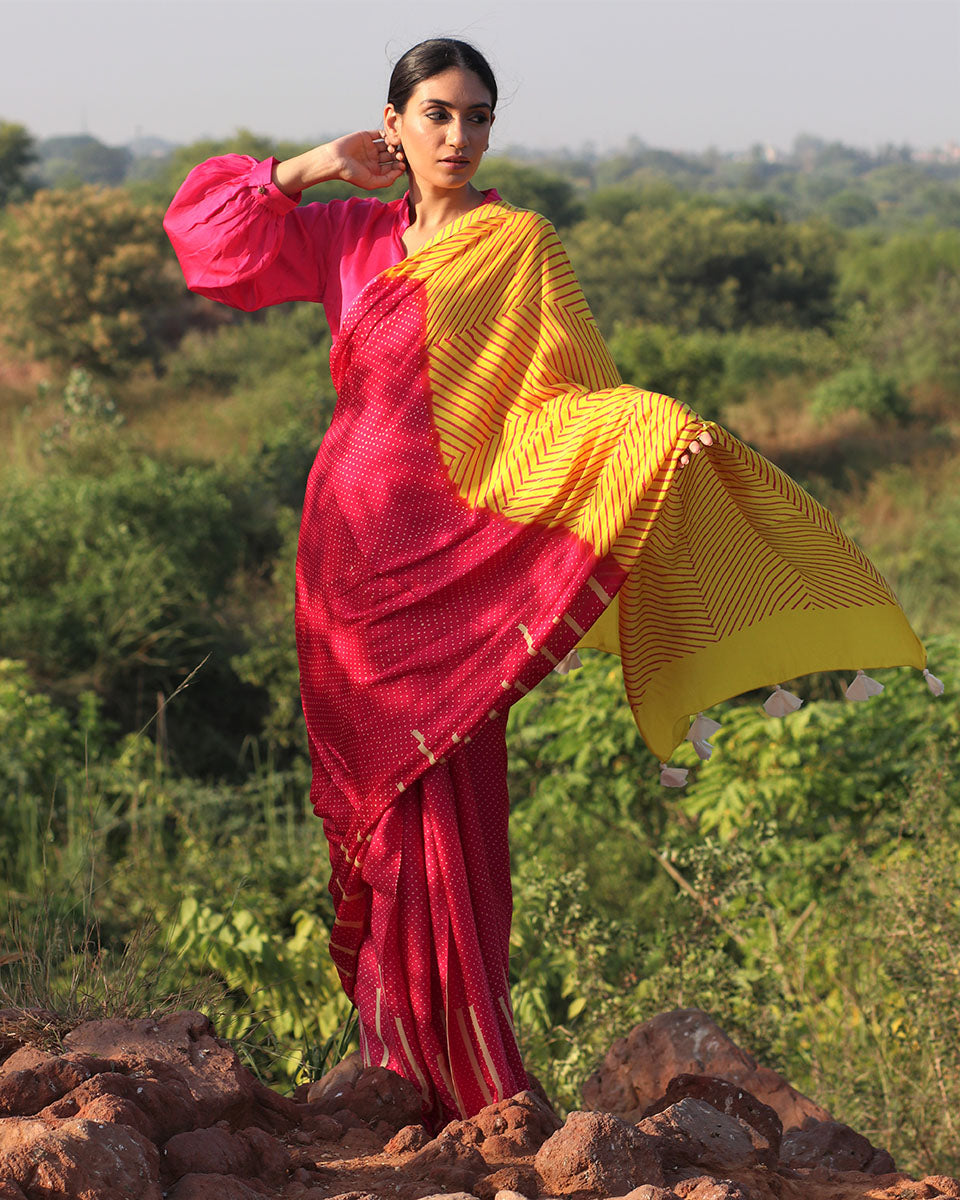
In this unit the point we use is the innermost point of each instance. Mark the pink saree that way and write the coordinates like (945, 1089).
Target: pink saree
(488, 496)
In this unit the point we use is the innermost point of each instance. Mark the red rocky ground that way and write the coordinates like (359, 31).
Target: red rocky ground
(140, 1110)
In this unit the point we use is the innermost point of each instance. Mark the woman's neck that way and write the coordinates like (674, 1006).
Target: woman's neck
(431, 209)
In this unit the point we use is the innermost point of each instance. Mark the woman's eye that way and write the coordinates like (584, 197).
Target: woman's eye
(436, 114)
(479, 118)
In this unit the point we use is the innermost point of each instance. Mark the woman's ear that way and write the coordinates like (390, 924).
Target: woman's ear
(392, 123)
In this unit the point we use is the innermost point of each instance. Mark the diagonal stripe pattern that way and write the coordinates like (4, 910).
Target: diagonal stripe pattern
(533, 423)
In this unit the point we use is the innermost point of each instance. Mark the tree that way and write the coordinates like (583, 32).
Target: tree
(697, 265)
(81, 158)
(529, 187)
(87, 279)
(16, 155)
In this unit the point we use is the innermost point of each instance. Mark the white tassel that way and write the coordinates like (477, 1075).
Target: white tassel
(780, 702)
(569, 662)
(673, 776)
(702, 729)
(700, 732)
(863, 687)
(933, 683)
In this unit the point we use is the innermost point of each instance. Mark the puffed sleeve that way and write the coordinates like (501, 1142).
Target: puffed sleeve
(242, 241)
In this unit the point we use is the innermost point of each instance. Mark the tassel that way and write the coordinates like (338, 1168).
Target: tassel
(675, 777)
(933, 683)
(702, 729)
(700, 732)
(780, 702)
(863, 687)
(569, 662)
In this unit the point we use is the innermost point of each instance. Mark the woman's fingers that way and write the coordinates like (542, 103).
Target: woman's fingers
(704, 438)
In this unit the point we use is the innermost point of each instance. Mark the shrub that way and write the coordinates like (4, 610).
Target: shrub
(87, 279)
(120, 585)
(861, 388)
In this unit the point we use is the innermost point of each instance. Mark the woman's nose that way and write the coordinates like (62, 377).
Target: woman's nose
(456, 135)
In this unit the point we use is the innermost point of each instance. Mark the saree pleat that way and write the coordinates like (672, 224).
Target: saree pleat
(432, 977)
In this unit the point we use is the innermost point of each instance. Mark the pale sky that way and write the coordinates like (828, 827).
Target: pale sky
(679, 74)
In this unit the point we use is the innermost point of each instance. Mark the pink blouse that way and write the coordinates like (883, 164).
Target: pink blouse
(242, 241)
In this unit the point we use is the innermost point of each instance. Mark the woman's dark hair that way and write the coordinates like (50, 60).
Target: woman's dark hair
(430, 58)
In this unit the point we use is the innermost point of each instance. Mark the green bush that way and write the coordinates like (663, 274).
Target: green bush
(251, 349)
(88, 279)
(689, 367)
(861, 388)
(709, 370)
(119, 585)
(698, 266)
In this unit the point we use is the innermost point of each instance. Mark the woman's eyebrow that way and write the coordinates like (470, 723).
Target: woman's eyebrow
(448, 104)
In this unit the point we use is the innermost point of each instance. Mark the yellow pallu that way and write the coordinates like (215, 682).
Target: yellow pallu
(736, 578)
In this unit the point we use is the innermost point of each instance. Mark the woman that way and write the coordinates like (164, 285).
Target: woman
(487, 493)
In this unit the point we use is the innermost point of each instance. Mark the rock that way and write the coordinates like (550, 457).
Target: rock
(453, 1180)
(733, 1100)
(515, 1127)
(213, 1187)
(466, 1133)
(80, 1159)
(516, 1181)
(372, 1094)
(361, 1141)
(706, 1187)
(324, 1128)
(831, 1144)
(270, 1157)
(336, 1081)
(451, 1158)
(25, 1058)
(450, 1196)
(596, 1152)
(155, 1108)
(638, 1068)
(24, 1092)
(647, 1191)
(206, 1152)
(221, 1086)
(10, 1191)
(694, 1133)
(217, 1151)
(347, 1119)
(407, 1140)
(942, 1185)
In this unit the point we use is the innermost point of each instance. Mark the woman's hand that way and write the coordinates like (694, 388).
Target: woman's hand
(702, 439)
(362, 158)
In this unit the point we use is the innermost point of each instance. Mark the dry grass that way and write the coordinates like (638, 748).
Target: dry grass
(55, 975)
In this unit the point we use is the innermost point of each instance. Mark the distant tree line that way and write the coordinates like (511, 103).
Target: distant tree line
(849, 186)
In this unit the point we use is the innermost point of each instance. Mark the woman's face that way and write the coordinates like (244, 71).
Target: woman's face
(444, 129)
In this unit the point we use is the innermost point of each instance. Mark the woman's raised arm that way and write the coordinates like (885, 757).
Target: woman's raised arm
(239, 235)
(362, 158)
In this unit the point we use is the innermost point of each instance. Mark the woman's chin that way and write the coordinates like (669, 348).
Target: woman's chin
(445, 179)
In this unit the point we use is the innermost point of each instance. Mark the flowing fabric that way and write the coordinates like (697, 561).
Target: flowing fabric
(488, 496)
(488, 486)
